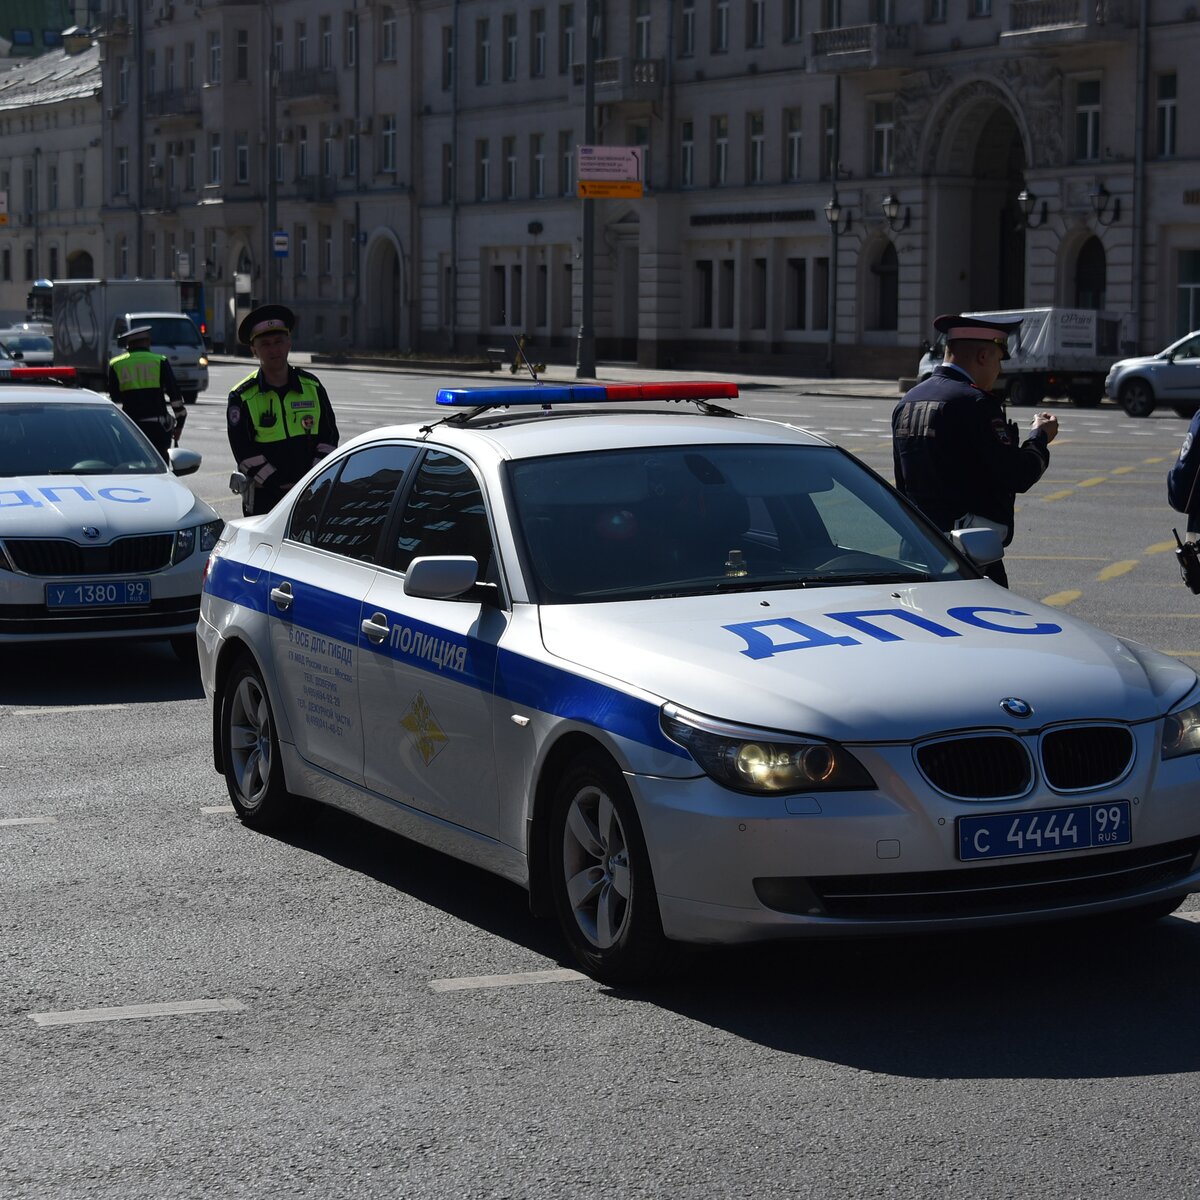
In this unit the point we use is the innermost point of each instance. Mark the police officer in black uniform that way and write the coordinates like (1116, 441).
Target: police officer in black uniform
(141, 382)
(1183, 492)
(955, 455)
(279, 419)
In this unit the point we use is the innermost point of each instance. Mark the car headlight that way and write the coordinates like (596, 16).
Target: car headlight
(1181, 732)
(762, 762)
(203, 361)
(186, 540)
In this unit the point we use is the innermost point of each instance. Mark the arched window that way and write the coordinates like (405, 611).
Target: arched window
(1090, 275)
(79, 265)
(885, 292)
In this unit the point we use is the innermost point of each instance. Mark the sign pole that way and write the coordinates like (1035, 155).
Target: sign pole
(585, 358)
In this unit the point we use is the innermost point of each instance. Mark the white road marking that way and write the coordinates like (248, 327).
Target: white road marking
(519, 979)
(132, 1012)
(66, 708)
(29, 821)
(217, 808)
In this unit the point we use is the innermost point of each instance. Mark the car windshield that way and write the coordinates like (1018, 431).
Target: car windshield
(697, 520)
(172, 331)
(27, 342)
(57, 437)
(1188, 346)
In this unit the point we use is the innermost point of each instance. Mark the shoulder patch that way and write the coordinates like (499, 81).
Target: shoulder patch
(234, 414)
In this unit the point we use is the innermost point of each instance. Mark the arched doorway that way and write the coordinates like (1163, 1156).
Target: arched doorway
(79, 265)
(1091, 274)
(384, 300)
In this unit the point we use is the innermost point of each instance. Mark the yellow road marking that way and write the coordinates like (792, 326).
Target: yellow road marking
(1154, 460)
(1059, 495)
(1093, 481)
(1183, 653)
(1058, 557)
(1113, 570)
(1159, 548)
(1061, 599)
(1123, 470)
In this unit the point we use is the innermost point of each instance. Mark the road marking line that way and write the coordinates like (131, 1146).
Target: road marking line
(29, 821)
(1095, 479)
(519, 979)
(1058, 557)
(1123, 470)
(1059, 495)
(1159, 548)
(217, 808)
(131, 1012)
(1061, 599)
(64, 708)
(1113, 570)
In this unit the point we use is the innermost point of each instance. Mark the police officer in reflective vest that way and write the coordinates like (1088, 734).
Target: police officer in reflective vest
(141, 382)
(279, 419)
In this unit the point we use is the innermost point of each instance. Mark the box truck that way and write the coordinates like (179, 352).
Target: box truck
(89, 315)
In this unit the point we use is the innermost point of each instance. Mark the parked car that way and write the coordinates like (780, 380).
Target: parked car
(1171, 377)
(33, 349)
(98, 539)
(688, 677)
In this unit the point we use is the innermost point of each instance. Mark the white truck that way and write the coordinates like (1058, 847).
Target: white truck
(1056, 352)
(89, 315)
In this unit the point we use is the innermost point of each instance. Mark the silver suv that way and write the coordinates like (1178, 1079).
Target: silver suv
(1172, 376)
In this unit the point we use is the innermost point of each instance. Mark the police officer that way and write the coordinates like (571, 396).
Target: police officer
(141, 382)
(955, 455)
(1182, 491)
(279, 419)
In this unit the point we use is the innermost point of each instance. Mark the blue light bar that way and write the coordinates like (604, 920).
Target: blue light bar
(589, 393)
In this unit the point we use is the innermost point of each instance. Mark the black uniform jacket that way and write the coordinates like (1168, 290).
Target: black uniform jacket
(955, 453)
(1183, 494)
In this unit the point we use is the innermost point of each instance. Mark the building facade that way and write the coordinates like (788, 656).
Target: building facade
(821, 176)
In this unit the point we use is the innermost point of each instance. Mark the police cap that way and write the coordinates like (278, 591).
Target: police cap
(139, 333)
(267, 318)
(973, 329)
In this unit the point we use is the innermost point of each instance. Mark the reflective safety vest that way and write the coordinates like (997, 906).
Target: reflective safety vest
(274, 419)
(138, 370)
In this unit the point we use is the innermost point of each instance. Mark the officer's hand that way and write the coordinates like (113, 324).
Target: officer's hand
(1047, 423)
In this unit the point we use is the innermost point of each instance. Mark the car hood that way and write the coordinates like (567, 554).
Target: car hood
(1145, 360)
(868, 663)
(63, 506)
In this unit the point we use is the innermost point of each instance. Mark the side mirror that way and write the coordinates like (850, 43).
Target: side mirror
(184, 462)
(445, 577)
(238, 483)
(981, 546)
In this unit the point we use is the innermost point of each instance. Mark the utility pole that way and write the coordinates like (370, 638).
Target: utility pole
(585, 359)
(272, 184)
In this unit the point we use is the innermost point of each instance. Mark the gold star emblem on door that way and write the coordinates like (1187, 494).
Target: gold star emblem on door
(421, 723)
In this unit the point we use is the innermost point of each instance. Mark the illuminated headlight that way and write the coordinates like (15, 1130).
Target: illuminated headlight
(1181, 732)
(203, 361)
(205, 536)
(746, 760)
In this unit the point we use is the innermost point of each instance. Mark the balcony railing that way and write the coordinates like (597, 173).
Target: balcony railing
(1052, 14)
(159, 197)
(180, 102)
(861, 46)
(619, 79)
(308, 81)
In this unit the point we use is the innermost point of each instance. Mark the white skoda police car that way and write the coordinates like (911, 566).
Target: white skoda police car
(97, 537)
(688, 676)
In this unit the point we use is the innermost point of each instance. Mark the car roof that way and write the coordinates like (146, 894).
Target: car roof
(22, 392)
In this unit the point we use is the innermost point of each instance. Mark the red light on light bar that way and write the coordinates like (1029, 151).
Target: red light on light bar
(40, 373)
(708, 390)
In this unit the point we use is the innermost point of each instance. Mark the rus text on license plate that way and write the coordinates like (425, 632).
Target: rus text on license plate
(98, 595)
(1044, 831)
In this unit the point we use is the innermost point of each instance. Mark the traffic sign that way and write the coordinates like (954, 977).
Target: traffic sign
(591, 189)
(596, 163)
(279, 244)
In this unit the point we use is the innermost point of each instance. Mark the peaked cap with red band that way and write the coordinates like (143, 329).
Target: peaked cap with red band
(267, 318)
(972, 329)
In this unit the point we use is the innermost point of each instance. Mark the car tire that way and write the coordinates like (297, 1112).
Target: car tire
(1137, 398)
(250, 749)
(1186, 411)
(189, 397)
(600, 874)
(1021, 391)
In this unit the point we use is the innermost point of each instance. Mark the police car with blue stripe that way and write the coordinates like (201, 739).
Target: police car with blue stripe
(688, 677)
(98, 538)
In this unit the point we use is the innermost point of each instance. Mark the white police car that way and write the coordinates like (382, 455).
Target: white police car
(97, 538)
(688, 676)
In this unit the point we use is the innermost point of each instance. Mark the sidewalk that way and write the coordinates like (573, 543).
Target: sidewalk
(863, 389)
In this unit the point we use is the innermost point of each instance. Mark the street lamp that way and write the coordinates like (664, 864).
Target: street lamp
(891, 210)
(1026, 201)
(1100, 198)
(833, 214)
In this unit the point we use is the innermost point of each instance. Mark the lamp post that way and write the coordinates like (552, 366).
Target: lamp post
(1026, 201)
(585, 356)
(272, 136)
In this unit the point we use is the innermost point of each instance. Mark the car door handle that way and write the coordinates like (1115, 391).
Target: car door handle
(282, 595)
(377, 627)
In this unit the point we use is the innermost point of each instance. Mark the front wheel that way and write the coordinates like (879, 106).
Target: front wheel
(250, 749)
(1137, 399)
(600, 872)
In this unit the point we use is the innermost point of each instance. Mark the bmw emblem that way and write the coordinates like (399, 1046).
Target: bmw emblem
(1016, 707)
(91, 532)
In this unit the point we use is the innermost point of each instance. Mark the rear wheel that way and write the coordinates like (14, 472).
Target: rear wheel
(250, 749)
(600, 871)
(1136, 398)
(1022, 391)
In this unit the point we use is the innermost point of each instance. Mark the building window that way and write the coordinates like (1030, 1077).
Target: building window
(214, 158)
(241, 55)
(277, 45)
(702, 314)
(1187, 307)
(687, 29)
(447, 173)
(325, 239)
(935, 11)
(351, 153)
(302, 152)
(301, 239)
(793, 26)
(350, 39)
(387, 34)
(189, 65)
(241, 157)
(79, 185)
(828, 141)
(641, 29)
(795, 309)
(149, 73)
(756, 23)
(537, 43)
(508, 148)
(29, 271)
(169, 69)
(537, 166)
(793, 146)
(1164, 116)
(885, 302)
(387, 144)
(725, 282)
(720, 151)
(52, 190)
(1087, 120)
(214, 57)
(566, 164)
(687, 154)
(447, 57)
(883, 12)
(483, 166)
(720, 26)
(301, 60)
(327, 165)
(831, 14)
(483, 51)
(122, 80)
(496, 308)
(883, 137)
(189, 166)
(326, 35)
(566, 37)
(979, 8)
(509, 66)
(516, 294)
(758, 294)
(757, 148)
